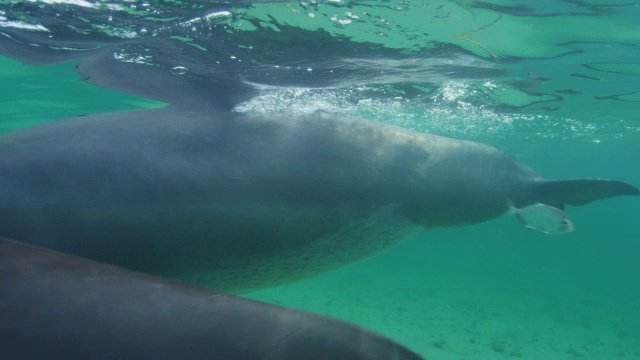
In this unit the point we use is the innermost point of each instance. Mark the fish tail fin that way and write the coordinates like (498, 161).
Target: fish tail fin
(578, 192)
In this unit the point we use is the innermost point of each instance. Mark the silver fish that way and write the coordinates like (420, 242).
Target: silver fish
(544, 218)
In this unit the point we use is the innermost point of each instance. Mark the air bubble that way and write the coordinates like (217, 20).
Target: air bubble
(179, 70)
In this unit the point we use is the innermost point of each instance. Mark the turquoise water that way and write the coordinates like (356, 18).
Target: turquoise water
(567, 106)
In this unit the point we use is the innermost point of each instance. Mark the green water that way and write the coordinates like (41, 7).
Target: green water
(31, 96)
(494, 290)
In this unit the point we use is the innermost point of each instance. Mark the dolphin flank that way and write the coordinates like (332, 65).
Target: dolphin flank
(57, 306)
(235, 202)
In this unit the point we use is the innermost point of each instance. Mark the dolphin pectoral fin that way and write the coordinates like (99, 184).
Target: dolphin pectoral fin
(579, 192)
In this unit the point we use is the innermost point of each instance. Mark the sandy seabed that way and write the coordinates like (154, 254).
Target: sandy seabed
(478, 295)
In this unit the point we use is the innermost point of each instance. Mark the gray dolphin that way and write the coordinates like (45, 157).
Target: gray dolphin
(235, 202)
(58, 306)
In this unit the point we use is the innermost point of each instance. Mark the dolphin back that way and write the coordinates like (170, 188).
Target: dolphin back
(579, 192)
(58, 306)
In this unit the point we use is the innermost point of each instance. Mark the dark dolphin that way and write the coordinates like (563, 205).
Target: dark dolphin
(235, 202)
(231, 201)
(58, 306)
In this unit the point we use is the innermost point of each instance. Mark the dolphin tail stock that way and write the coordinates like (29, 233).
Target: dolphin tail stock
(579, 192)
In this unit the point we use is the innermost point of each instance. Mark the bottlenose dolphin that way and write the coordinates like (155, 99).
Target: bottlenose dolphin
(236, 202)
(58, 306)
